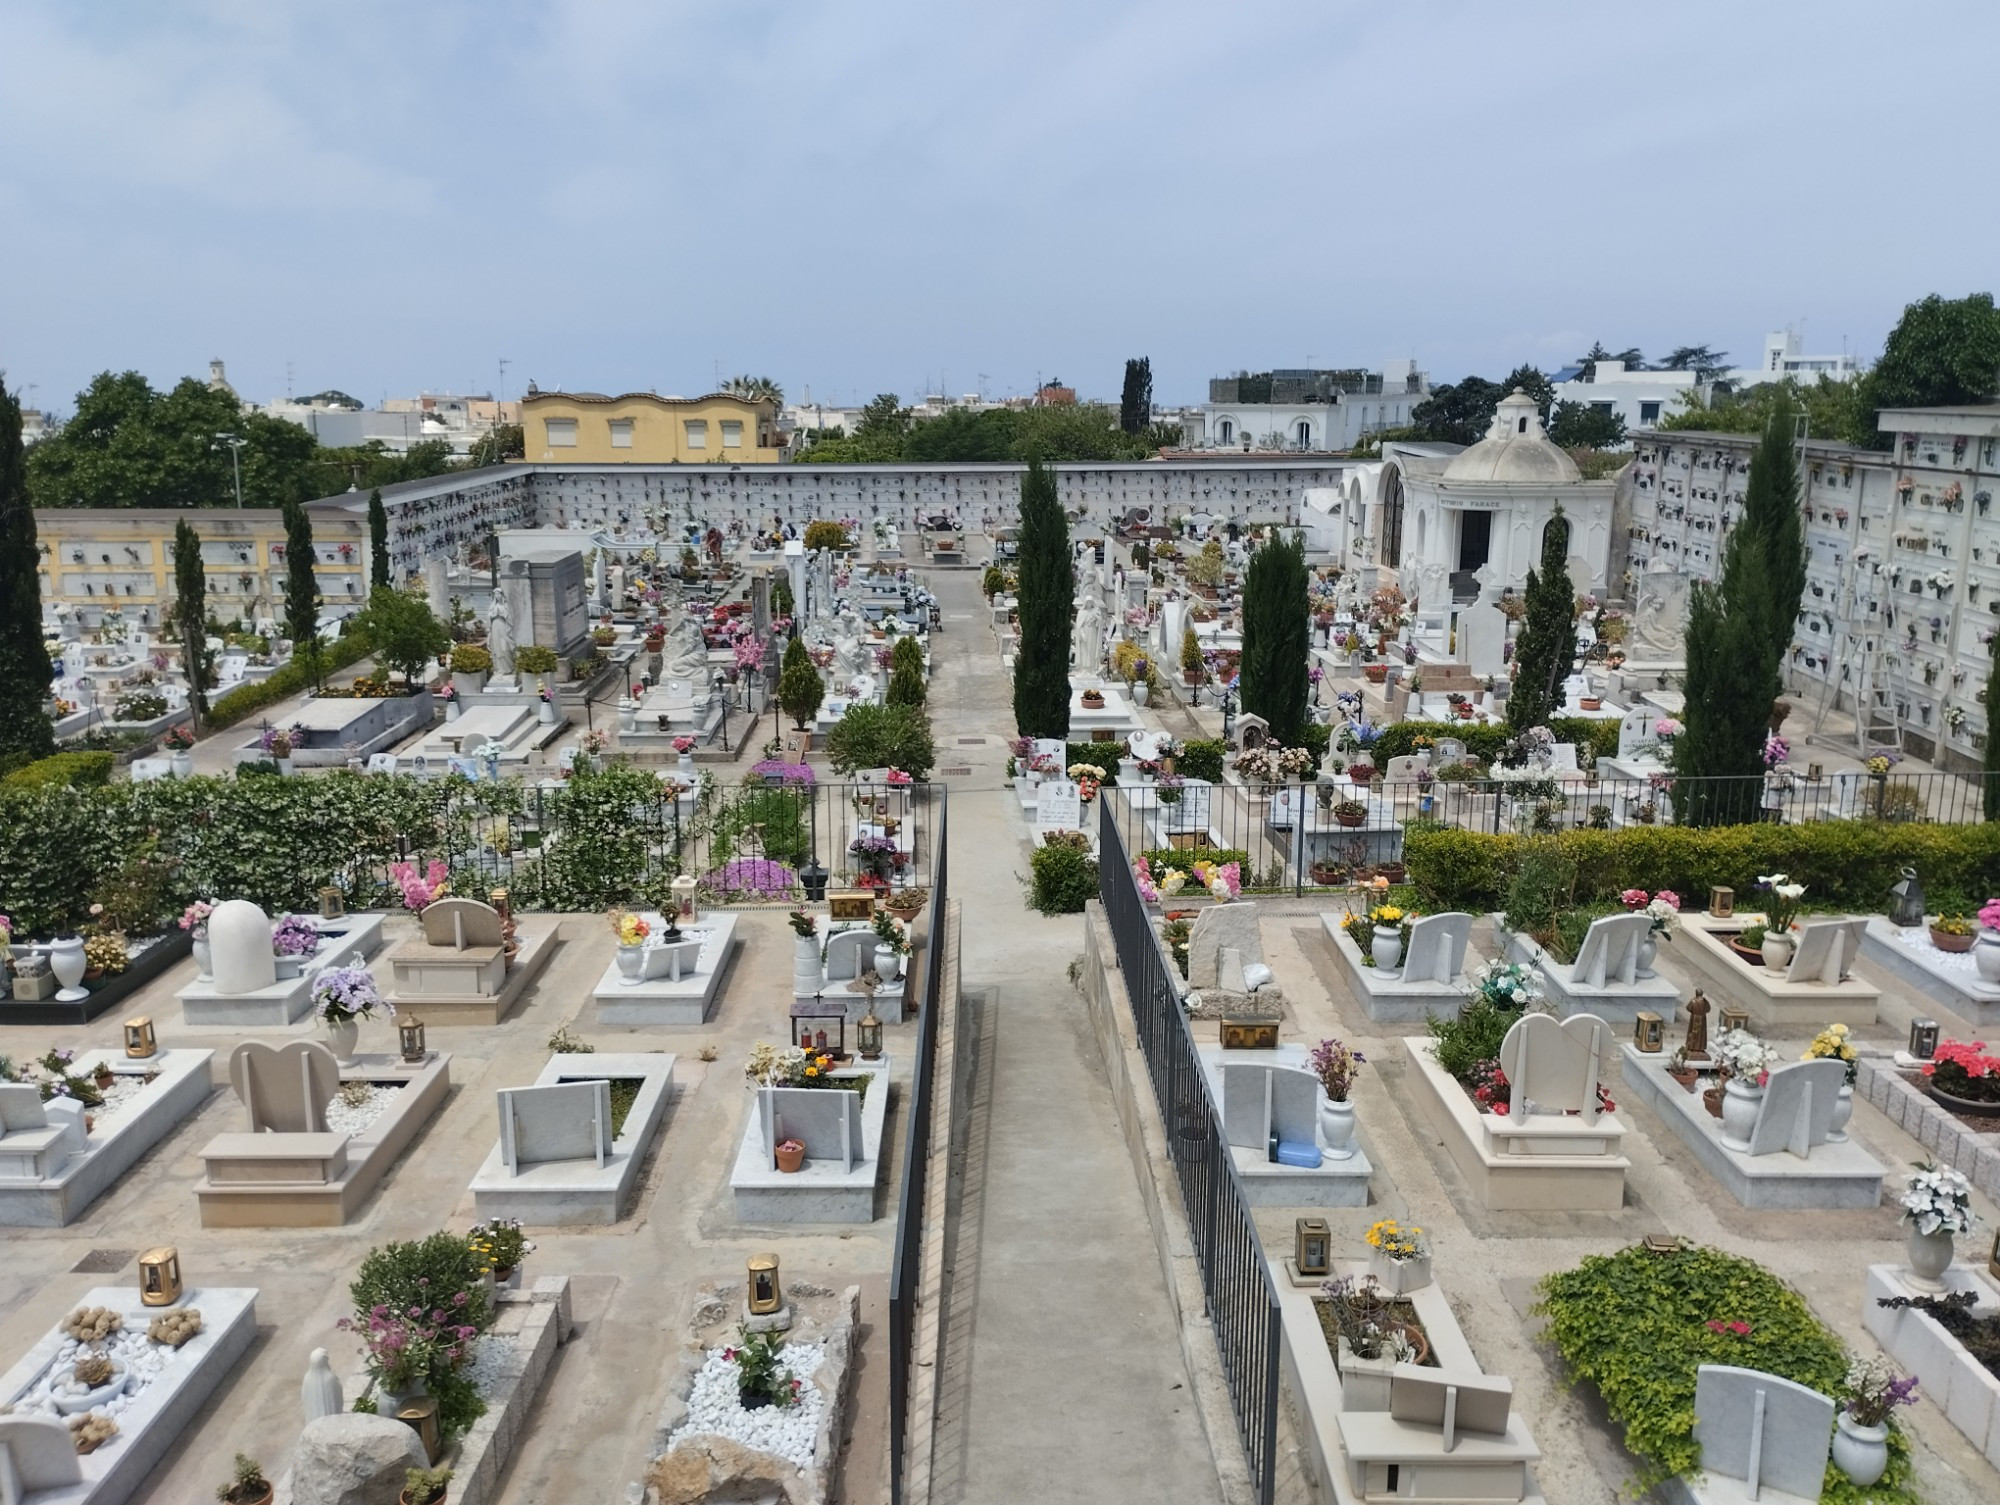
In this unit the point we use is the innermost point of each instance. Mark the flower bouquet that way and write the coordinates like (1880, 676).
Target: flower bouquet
(630, 928)
(1744, 1057)
(1834, 1044)
(294, 935)
(194, 919)
(342, 994)
(1336, 1066)
(1937, 1199)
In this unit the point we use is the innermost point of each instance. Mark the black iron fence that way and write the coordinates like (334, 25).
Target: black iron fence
(906, 1273)
(1236, 1283)
(1298, 837)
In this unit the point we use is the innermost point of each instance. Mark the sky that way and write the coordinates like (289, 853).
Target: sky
(855, 198)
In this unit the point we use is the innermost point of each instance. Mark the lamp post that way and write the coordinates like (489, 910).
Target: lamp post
(235, 447)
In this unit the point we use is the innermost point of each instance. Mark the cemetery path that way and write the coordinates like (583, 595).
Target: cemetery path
(1061, 1374)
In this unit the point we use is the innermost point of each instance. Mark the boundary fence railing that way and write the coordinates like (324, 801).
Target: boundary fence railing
(1242, 1302)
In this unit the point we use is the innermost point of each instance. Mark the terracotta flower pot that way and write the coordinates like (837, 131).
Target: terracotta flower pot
(1591, 703)
(1712, 1100)
(1687, 1079)
(1377, 673)
(1946, 942)
(789, 1161)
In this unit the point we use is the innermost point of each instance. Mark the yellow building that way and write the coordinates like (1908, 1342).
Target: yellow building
(124, 556)
(585, 428)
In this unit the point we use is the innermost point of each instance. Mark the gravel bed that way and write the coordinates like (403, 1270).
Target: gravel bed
(117, 1097)
(786, 1433)
(341, 1119)
(143, 1360)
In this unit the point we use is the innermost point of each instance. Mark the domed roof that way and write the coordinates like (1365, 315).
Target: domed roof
(1515, 450)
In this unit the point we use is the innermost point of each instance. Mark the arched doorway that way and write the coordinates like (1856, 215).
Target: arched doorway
(1305, 433)
(1225, 432)
(1391, 551)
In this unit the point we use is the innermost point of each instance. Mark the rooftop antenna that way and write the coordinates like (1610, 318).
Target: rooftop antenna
(501, 395)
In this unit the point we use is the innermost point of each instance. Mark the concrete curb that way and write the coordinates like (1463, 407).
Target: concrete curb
(1976, 1156)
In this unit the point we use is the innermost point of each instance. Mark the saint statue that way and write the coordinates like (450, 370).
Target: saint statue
(500, 634)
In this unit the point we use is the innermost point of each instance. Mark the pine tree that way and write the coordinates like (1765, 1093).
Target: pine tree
(1276, 639)
(301, 591)
(1738, 631)
(378, 541)
(1546, 648)
(1047, 595)
(25, 670)
(906, 673)
(1135, 404)
(191, 617)
(799, 688)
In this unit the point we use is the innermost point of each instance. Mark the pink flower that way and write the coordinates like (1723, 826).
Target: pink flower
(1634, 898)
(1669, 898)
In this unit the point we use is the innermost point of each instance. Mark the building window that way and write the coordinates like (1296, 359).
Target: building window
(732, 434)
(697, 432)
(1305, 434)
(561, 432)
(621, 433)
(1649, 412)
(1225, 431)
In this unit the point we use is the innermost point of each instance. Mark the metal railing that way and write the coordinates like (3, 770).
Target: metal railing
(1242, 1302)
(906, 1272)
(1298, 837)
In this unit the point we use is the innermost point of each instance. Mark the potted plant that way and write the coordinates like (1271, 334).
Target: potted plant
(761, 1380)
(892, 944)
(1351, 813)
(293, 939)
(179, 741)
(342, 996)
(247, 1485)
(1861, 1431)
(425, 1486)
(1835, 1043)
(500, 1245)
(470, 664)
(1779, 913)
(277, 744)
(1093, 700)
(1963, 1078)
(1747, 1061)
(1952, 932)
(1937, 1204)
(1682, 1070)
(1336, 1067)
(1748, 944)
(1167, 788)
(1399, 1256)
(791, 1155)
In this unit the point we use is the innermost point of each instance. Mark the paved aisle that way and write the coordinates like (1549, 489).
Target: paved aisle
(1062, 1377)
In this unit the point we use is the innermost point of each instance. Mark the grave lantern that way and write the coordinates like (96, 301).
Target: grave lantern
(1923, 1038)
(410, 1033)
(139, 1041)
(332, 904)
(160, 1276)
(868, 1036)
(1730, 1017)
(1721, 902)
(766, 1297)
(1648, 1031)
(1311, 1246)
(1906, 900)
(683, 889)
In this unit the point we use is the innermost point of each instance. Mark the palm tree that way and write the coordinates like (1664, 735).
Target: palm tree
(756, 389)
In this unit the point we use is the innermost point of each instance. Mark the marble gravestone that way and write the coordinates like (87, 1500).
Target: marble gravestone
(1771, 1433)
(826, 1121)
(1260, 1101)
(1659, 617)
(36, 1453)
(1610, 950)
(1555, 1066)
(849, 953)
(1437, 947)
(559, 1121)
(1058, 805)
(1797, 1110)
(461, 923)
(1635, 733)
(1826, 950)
(239, 948)
(284, 1091)
(1220, 926)
(38, 1139)
(1482, 639)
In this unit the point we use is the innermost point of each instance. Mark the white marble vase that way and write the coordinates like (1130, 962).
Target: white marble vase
(1740, 1102)
(1860, 1452)
(1930, 1256)
(341, 1035)
(1336, 1127)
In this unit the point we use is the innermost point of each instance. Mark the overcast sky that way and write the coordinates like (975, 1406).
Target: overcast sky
(876, 197)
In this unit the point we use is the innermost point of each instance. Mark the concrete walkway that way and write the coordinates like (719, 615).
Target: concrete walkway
(1061, 1375)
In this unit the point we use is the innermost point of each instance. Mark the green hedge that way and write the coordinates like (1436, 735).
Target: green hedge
(1100, 755)
(1849, 864)
(292, 679)
(1159, 859)
(1064, 879)
(1201, 760)
(1485, 742)
(74, 770)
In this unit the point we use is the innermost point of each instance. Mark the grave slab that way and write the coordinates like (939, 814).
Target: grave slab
(1396, 997)
(545, 1192)
(1332, 1183)
(1614, 1001)
(1950, 979)
(428, 981)
(1953, 1381)
(287, 1000)
(1782, 1003)
(823, 1191)
(664, 998)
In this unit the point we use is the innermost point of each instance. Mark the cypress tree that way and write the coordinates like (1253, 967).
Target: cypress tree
(25, 670)
(1047, 593)
(1547, 646)
(799, 688)
(1276, 642)
(378, 541)
(191, 616)
(1135, 403)
(301, 591)
(1738, 631)
(906, 673)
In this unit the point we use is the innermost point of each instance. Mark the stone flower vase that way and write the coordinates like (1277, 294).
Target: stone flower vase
(1986, 956)
(1387, 948)
(546, 711)
(183, 765)
(887, 963)
(1740, 1102)
(1843, 1110)
(1649, 948)
(1777, 952)
(452, 709)
(631, 964)
(1398, 1277)
(202, 972)
(66, 960)
(805, 964)
(1336, 1127)
(1860, 1452)
(342, 1034)
(1930, 1256)
(1141, 692)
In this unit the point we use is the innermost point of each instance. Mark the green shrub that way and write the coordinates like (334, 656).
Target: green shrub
(470, 658)
(1544, 886)
(533, 659)
(1637, 1326)
(1201, 759)
(1065, 878)
(1485, 742)
(430, 1273)
(64, 770)
(1845, 864)
(1472, 1038)
(1103, 756)
(825, 535)
(1159, 859)
(292, 679)
(883, 736)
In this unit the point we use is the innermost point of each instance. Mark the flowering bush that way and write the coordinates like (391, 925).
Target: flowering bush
(344, 993)
(760, 1379)
(1743, 1056)
(499, 1243)
(1938, 1200)
(1336, 1067)
(758, 877)
(778, 771)
(420, 890)
(405, 1346)
(295, 935)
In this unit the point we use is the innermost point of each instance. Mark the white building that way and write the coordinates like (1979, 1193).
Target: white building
(1642, 398)
(1304, 410)
(401, 421)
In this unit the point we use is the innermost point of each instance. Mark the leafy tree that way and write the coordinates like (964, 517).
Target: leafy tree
(301, 590)
(1547, 645)
(755, 389)
(1458, 412)
(1694, 358)
(1276, 637)
(25, 670)
(906, 673)
(378, 540)
(499, 444)
(1834, 409)
(959, 434)
(191, 617)
(883, 414)
(1135, 404)
(406, 633)
(427, 458)
(1941, 352)
(1631, 357)
(1041, 664)
(1578, 425)
(1738, 630)
(883, 736)
(799, 688)
(1530, 380)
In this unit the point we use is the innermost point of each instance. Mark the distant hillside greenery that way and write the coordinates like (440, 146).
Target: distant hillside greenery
(888, 432)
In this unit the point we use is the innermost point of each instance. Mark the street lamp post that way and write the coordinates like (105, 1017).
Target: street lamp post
(235, 446)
